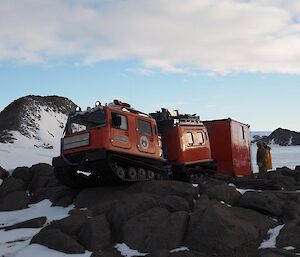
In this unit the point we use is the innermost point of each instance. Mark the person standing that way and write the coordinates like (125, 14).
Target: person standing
(261, 157)
(268, 157)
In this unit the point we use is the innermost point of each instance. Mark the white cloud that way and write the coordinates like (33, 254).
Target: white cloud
(178, 36)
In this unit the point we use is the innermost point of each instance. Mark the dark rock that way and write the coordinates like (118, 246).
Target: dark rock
(38, 183)
(129, 207)
(32, 223)
(42, 169)
(111, 253)
(3, 173)
(284, 137)
(174, 203)
(165, 187)
(14, 201)
(91, 197)
(187, 254)
(289, 236)
(57, 240)
(225, 193)
(159, 253)
(10, 185)
(23, 173)
(53, 182)
(42, 173)
(71, 225)
(95, 234)
(284, 205)
(226, 231)
(61, 195)
(276, 253)
(155, 229)
(264, 202)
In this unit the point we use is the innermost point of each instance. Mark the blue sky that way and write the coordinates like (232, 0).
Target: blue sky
(219, 59)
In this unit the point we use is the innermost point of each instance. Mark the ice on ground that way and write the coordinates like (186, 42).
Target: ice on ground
(271, 242)
(180, 249)
(35, 250)
(127, 252)
(16, 242)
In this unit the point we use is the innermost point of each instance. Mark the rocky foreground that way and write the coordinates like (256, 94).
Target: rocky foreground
(217, 217)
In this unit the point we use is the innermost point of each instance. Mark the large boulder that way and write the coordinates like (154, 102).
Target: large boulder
(60, 195)
(71, 225)
(226, 231)
(225, 193)
(14, 201)
(10, 185)
(129, 207)
(41, 173)
(95, 234)
(284, 205)
(32, 223)
(174, 203)
(264, 202)
(155, 229)
(92, 197)
(23, 173)
(165, 187)
(57, 240)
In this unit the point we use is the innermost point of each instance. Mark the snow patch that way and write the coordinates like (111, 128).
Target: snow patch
(271, 242)
(180, 249)
(36, 210)
(228, 205)
(289, 248)
(127, 252)
(16, 242)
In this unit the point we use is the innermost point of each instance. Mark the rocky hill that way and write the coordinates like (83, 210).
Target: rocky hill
(220, 216)
(34, 123)
(282, 137)
(24, 115)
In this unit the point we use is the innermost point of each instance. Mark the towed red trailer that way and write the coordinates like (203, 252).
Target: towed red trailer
(230, 146)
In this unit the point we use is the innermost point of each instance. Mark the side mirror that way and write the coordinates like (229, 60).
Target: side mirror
(116, 120)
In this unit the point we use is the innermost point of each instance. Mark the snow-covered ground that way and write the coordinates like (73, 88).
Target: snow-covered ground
(288, 156)
(16, 242)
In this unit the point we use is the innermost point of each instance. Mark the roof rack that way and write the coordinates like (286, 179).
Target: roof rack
(175, 118)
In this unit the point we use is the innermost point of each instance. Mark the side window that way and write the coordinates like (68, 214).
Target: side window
(189, 138)
(119, 121)
(144, 127)
(200, 137)
(243, 132)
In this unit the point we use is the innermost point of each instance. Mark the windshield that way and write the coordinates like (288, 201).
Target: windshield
(81, 121)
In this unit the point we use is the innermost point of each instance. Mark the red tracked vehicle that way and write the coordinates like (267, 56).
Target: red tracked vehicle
(111, 144)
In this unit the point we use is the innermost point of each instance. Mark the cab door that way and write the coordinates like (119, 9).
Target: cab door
(145, 138)
(119, 135)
